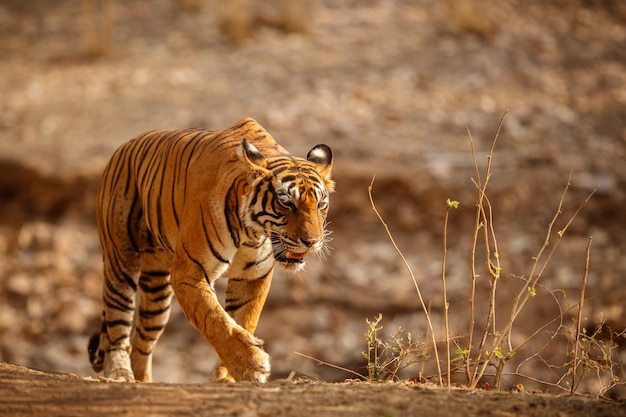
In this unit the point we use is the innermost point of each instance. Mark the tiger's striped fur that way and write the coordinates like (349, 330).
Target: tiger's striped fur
(179, 209)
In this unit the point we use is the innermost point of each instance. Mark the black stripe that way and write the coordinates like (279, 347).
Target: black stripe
(231, 212)
(232, 304)
(257, 262)
(113, 323)
(164, 151)
(154, 273)
(157, 328)
(147, 154)
(195, 261)
(116, 305)
(184, 166)
(142, 352)
(207, 238)
(143, 336)
(148, 314)
(111, 290)
(213, 226)
(163, 297)
(234, 307)
(116, 341)
(272, 216)
(128, 279)
(145, 287)
(131, 221)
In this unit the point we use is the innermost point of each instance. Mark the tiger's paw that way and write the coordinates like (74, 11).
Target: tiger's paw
(119, 375)
(221, 374)
(251, 363)
(259, 367)
(254, 367)
(117, 367)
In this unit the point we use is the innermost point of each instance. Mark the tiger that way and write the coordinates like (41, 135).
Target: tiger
(179, 209)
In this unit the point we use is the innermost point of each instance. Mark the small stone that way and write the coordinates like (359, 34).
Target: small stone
(20, 284)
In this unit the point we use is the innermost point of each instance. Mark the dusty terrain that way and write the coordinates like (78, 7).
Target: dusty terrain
(28, 392)
(392, 87)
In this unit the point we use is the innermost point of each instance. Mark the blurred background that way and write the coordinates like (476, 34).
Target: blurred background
(392, 87)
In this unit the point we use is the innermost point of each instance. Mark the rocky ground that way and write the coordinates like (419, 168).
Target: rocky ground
(393, 88)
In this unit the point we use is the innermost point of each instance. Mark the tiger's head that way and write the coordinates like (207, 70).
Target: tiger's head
(288, 201)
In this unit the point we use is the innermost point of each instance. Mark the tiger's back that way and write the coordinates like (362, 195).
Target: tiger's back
(178, 210)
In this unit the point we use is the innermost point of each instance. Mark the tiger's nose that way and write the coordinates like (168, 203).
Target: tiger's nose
(309, 242)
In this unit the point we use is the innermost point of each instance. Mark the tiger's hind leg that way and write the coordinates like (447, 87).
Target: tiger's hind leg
(120, 285)
(155, 298)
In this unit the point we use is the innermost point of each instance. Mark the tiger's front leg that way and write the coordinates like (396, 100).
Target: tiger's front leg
(244, 302)
(240, 352)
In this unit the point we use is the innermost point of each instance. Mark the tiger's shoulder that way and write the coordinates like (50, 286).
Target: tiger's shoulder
(217, 143)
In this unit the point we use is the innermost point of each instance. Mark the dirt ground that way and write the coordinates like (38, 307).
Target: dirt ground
(27, 392)
(393, 88)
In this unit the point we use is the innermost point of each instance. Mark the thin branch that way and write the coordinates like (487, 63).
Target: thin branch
(581, 302)
(534, 279)
(445, 293)
(408, 267)
(522, 297)
(484, 220)
(472, 309)
(321, 362)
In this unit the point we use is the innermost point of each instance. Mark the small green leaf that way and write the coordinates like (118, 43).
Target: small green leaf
(452, 204)
(532, 291)
(498, 352)
(462, 352)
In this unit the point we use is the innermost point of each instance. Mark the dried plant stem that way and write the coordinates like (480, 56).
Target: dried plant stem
(484, 221)
(472, 309)
(524, 294)
(476, 363)
(533, 278)
(408, 267)
(445, 296)
(581, 302)
(428, 334)
(341, 368)
(494, 273)
(522, 297)
(558, 318)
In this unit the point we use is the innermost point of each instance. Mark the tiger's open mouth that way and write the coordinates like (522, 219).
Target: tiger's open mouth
(292, 257)
(286, 254)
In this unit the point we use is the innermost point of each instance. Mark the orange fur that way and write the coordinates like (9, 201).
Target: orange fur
(179, 209)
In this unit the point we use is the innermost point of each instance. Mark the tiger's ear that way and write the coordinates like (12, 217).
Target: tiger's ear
(254, 160)
(322, 156)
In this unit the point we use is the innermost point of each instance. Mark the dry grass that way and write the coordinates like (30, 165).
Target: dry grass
(483, 353)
